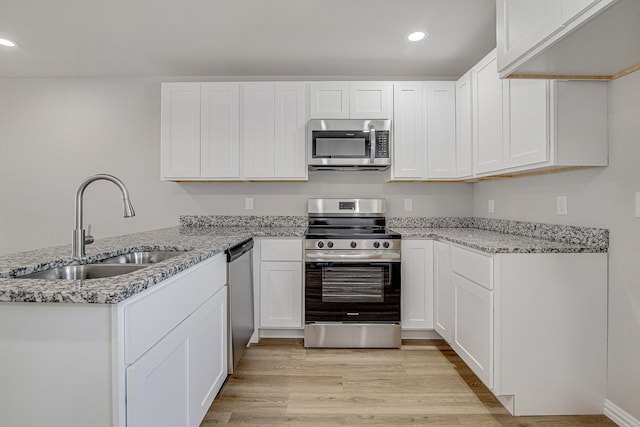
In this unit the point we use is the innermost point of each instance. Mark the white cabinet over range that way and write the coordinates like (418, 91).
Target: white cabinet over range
(476, 127)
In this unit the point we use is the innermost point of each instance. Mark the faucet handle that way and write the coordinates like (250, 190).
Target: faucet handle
(88, 238)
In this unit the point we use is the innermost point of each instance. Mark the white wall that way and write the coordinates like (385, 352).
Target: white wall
(603, 197)
(56, 132)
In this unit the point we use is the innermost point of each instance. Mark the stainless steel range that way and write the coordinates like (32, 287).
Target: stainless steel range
(352, 275)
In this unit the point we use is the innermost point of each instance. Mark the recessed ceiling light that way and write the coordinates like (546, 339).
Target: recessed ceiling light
(8, 43)
(416, 36)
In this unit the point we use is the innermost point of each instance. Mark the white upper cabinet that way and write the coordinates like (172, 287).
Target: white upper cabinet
(424, 131)
(526, 122)
(230, 131)
(464, 126)
(291, 117)
(258, 130)
(487, 116)
(355, 100)
(524, 23)
(370, 100)
(274, 119)
(408, 127)
(180, 130)
(220, 140)
(521, 125)
(329, 100)
(567, 37)
(440, 99)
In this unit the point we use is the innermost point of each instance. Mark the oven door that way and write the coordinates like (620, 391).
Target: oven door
(352, 292)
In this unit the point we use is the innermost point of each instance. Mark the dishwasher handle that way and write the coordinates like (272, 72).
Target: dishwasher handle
(240, 249)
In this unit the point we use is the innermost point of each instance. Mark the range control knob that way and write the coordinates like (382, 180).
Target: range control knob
(353, 244)
(385, 244)
(320, 245)
(376, 245)
(329, 244)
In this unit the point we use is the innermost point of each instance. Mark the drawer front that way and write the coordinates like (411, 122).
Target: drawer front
(281, 250)
(154, 313)
(473, 265)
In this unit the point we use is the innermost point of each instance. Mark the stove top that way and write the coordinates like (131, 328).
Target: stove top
(350, 233)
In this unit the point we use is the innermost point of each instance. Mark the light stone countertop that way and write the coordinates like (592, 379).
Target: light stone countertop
(495, 242)
(199, 244)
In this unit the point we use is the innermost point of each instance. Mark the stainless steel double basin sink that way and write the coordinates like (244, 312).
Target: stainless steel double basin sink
(109, 267)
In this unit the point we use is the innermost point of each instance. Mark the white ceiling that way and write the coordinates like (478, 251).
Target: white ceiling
(359, 38)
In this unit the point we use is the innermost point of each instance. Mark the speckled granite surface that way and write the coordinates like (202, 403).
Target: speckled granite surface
(572, 235)
(494, 242)
(202, 237)
(199, 242)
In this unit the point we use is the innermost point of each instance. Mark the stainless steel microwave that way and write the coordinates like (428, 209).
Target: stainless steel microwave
(349, 144)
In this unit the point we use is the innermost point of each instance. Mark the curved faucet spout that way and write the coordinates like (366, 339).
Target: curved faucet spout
(79, 239)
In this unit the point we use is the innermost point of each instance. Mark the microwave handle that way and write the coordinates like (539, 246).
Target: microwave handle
(372, 142)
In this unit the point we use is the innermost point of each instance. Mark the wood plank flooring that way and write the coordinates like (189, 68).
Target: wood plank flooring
(280, 383)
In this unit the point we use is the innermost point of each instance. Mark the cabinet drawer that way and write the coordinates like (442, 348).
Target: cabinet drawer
(281, 250)
(154, 313)
(473, 265)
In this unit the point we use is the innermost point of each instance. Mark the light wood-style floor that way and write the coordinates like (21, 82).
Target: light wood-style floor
(280, 383)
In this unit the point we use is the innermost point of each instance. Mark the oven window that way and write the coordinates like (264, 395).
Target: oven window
(340, 148)
(353, 283)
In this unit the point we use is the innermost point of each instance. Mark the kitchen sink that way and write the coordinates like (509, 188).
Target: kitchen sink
(87, 271)
(143, 257)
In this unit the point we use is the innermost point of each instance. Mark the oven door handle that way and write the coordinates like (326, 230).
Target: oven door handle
(352, 257)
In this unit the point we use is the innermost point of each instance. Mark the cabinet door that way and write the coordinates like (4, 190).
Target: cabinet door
(290, 124)
(463, 126)
(442, 290)
(370, 100)
(207, 354)
(523, 24)
(473, 326)
(281, 295)
(408, 141)
(220, 130)
(417, 284)
(329, 100)
(526, 122)
(180, 130)
(487, 116)
(158, 392)
(440, 98)
(258, 130)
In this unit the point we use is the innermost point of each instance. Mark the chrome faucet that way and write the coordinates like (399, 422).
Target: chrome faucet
(79, 238)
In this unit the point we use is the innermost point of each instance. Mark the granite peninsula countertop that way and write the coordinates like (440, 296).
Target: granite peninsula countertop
(202, 237)
(199, 243)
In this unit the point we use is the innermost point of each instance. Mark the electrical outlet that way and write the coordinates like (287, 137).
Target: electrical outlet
(491, 206)
(561, 205)
(248, 203)
(408, 204)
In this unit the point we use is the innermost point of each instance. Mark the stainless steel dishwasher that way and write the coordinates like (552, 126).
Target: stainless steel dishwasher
(240, 277)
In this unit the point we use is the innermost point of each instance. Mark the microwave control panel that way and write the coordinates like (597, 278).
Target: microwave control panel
(382, 144)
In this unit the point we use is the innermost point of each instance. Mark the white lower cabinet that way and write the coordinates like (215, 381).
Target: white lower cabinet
(174, 382)
(531, 326)
(442, 318)
(281, 285)
(473, 326)
(417, 284)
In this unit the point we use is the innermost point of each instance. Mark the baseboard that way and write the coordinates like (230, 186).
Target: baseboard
(619, 415)
(281, 333)
(420, 334)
